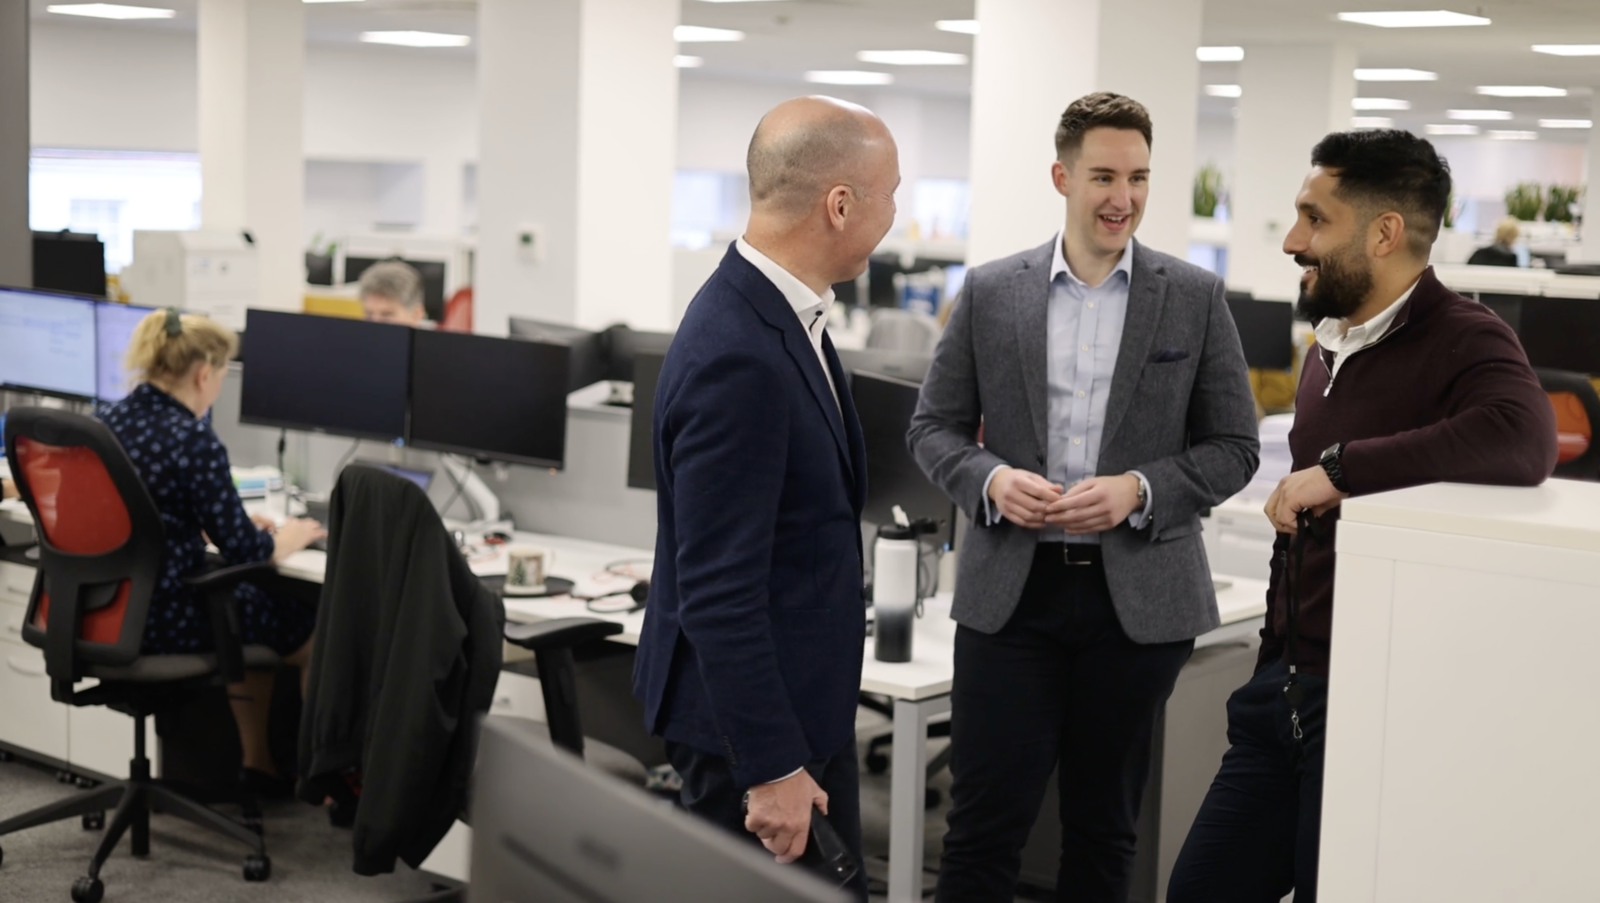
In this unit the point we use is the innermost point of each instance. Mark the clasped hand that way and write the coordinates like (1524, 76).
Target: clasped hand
(1091, 506)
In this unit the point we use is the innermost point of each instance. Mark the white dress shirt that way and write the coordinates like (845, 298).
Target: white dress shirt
(1344, 340)
(811, 308)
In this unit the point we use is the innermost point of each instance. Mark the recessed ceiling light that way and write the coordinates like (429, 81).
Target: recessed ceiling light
(1521, 91)
(1566, 123)
(1444, 129)
(1568, 49)
(1379, 103)
(1224, 91)
(1504, 135)
(848, 77)
(959, 26)
(415, 38)
(912, 58)
(1371, 122)
(1219, 54)
(1420, 18)
(111, 11)
(696, 34)
(1480, 115)
(693, 62)
(1396, 75)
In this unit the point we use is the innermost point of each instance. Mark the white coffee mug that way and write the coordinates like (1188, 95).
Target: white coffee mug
(526, 567)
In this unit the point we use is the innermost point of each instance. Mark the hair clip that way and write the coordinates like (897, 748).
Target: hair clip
(174, 322)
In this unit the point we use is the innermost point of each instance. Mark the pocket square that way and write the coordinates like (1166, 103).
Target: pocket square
(1169, 355)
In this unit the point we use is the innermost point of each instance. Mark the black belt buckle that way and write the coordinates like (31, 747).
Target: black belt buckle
(1067, 550)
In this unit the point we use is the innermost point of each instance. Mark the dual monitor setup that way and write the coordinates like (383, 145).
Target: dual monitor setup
(63, 345)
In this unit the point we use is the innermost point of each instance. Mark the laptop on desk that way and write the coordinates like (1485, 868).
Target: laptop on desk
(318, 510)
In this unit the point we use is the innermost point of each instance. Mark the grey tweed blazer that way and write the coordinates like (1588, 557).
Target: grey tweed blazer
(1180, 412)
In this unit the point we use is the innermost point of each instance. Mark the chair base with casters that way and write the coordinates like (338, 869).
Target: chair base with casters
(877, 761)
(146, 687)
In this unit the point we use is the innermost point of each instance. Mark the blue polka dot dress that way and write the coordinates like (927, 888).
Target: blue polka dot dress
(185, 467)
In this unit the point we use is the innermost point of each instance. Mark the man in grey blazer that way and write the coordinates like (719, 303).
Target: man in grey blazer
(1114, 405)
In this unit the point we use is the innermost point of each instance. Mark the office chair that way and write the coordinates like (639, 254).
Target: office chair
(1577, 408)
(101, 541)
(894, 329)
(551, 641)
(458, 312)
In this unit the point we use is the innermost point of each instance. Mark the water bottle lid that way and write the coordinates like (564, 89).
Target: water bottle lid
(919, 527)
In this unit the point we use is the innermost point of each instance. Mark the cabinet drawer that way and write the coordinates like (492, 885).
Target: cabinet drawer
(11, 618)
(518, 696)
(29, 718)
(101, 740)
(16, 582)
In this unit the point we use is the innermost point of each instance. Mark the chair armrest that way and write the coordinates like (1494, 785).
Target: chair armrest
(217, 586)
(560, 632)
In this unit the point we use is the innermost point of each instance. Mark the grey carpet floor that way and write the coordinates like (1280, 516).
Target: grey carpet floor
(310, 858)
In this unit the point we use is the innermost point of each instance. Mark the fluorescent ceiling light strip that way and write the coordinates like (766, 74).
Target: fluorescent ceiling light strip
(1480, 115)
(691, 34)
(1509, 135)
(958, 26)
(1371, 122)
(1224, 91)
(1379, 103)
(110, 11)
(912, 58)
(1451, 129)
(1396, 75)
(333, 1)
(1418, 18)
(848, 77)
(1566, 123)
(1521, 91)
(690, 62)
(1568, 49)
(415, 38)
(1219, 54)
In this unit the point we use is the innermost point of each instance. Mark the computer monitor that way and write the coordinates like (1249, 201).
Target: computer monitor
(69, 262)
(431, 271)
(113, 329)
(885, 405)
(504, 399)
(623, 344)
(326, 374)
(47, 343)
(1562, 333)
(641, 438)
(881, 270)
(905, 365)
(548, 829)
(319, 268)
(587, 351)
(1507, 307)
(1266, 330)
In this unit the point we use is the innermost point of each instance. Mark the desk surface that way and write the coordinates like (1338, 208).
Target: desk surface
(598, 568)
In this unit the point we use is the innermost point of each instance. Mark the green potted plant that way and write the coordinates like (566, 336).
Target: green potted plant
(1558, 207)
(1207, 190)
(1525, 201)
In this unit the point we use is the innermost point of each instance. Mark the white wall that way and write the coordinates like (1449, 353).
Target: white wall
(111, 88)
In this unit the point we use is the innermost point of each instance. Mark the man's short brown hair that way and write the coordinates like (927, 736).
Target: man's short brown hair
(1094, 111)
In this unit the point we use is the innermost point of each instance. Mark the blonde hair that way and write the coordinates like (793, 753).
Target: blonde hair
(1507, 231)
(157, 353)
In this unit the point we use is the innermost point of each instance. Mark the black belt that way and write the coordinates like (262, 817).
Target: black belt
(1076, 554)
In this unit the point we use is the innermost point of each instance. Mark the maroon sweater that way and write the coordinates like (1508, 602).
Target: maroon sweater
(1446, 396)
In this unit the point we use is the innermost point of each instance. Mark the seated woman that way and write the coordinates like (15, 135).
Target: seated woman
(177, 363)
(1501, 253)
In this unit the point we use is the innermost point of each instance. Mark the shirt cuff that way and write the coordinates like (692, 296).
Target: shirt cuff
(787, 776)
(1141, 518)
(992, 516)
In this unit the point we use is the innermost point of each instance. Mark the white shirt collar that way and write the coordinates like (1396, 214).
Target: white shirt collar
(1058, 264)
(799, 295)
(1341, 338)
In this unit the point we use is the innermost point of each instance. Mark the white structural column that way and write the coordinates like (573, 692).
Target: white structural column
(578, 105)
(252, 160)
(16, 241)
(1589, 251)
(1293, 96)
(1032, 59)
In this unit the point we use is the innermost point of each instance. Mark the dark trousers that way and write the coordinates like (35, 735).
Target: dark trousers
(1060, 683)
(709, 791)
(1255, 838)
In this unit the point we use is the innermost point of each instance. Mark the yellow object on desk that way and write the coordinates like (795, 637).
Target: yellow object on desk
(334, 306)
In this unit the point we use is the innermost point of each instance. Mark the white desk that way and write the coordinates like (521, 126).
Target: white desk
(920, 688)
(1461, 714)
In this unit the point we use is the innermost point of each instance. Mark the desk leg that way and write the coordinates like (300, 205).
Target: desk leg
(907, 789)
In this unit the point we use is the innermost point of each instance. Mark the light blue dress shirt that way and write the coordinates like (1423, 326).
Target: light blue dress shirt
(1084, 334)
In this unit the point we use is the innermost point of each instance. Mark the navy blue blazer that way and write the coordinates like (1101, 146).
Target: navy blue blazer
(754, 632)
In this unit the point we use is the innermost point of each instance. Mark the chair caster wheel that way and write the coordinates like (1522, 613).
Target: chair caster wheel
(342, 814)
(255, 823)
(7, 756)
(930, 798)
(87, 890)
(82, 783)
(257, 868)
(63, 777)
(94, 821)
(877, 763)
(2, 856)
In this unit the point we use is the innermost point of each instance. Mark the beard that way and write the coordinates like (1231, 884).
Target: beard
(1343, 281)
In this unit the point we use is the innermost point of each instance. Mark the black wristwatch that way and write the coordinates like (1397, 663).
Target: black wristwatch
(1331, 461)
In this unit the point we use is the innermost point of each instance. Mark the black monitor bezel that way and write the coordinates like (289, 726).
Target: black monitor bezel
(54, 393)
(479, 453)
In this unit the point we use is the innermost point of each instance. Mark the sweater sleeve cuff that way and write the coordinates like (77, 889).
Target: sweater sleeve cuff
(991, 516)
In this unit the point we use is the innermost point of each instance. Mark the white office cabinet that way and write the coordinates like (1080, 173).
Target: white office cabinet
(101, 740)
(212, 272)
(1462, 722)
(1242, 540)
(518, 696)
(29, 718)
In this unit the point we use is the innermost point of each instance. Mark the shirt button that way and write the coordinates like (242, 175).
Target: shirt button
(1077, 442)
(1080, 394)
(1091, 305)
(1084, 347)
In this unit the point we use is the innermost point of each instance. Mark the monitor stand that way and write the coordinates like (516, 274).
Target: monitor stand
(480, 499)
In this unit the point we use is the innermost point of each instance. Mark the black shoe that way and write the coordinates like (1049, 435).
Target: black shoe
(265, 786)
